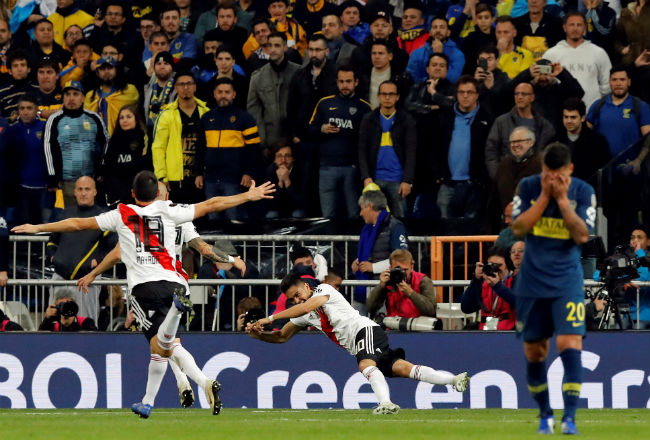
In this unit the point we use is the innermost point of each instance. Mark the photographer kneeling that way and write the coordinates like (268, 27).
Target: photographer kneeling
(62, 315)
(406, 293)
(490, 292)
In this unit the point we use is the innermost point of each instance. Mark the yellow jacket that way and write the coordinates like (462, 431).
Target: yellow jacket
(115, 102)
(167, 148)
(60, 23)
(73, 72)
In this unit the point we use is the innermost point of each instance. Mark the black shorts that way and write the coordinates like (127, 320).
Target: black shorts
(372, 343)
(150, 303)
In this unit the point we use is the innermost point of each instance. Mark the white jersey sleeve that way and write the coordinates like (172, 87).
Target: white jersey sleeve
(109, 221)
(180, 213)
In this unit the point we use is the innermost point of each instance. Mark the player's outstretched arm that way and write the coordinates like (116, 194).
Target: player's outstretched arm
(216, 204)
(68, 225)
(274, 337)
(293, 312)
(110, 260)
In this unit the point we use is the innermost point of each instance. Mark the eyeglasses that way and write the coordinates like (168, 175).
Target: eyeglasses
(387, 94)
(185, 84)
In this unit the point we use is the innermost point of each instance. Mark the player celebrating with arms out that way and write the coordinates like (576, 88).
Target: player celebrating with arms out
(158, 284)
(327, 310)
(555, 212)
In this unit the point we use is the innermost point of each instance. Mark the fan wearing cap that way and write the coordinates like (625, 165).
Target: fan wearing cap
(159, 91)
(413, 34)
(112, 94)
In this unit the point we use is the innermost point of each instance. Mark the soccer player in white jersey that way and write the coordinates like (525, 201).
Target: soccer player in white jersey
(327, 310)
(147, 232)
(185, 234)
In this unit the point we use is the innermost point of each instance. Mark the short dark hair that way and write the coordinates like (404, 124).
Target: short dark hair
(224, 48)
(43, 20)
(484, 7)
(467, 79)
(286, 2)
(318, 37)
(439, 55)
(145, 186)
(168, 8)
(439, 18)
(82, 42)
(498, 251)
(276, 34)
(347, 68)
(289, 281)
(619, 68)
(490, 48)
(224, 80)
(574, 13)
(575, 104)
(557, 155)
(227, 4)
(382, 42)
(388, 81)
(504, 19)
(263, 20)
(17, 55)
(157, 34)
(28, 97)
(48, 62)
(184, 73)
(299, 252)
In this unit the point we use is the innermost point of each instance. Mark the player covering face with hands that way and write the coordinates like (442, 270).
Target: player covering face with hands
(327, 310)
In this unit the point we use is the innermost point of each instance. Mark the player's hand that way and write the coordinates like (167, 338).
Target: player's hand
(26, 229)
(240, 264)
(365, 266)
(3, 278)
(84, 282)
(547, 183)
(384, 277)
(478, 270)
(560, 187)
(263, 191)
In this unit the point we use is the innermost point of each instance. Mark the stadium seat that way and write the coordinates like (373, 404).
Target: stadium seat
(446, 311)
(18, 312)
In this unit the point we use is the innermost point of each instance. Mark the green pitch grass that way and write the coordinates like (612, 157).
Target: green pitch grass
(240, 424)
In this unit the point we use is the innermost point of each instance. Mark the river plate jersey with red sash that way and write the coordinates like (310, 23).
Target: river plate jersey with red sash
(147, 240)
(336, 318)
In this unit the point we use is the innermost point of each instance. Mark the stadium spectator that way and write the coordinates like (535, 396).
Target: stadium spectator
(491, 293)
(513, 59)
(309, 84)
(75, 254)
(589, 149)
(517, 255)
(493, 84)
(351, 14)
(74, 141)
(412, 297)
(640, 241)
(601, 24)
(310, 13)
(71, 35)
(228, 32)
(413, 33)
(551, 89)
(18, 85)
(384, 68)
(522, 114)
(296, 36)
(224, 60)
(257, 50)
(189, 15)
(506, 237)
(115, 31)
(227, 148)
(112, 93)
(300, 255)
(174, 141)
(458, 160)
(632, 35)
(63, 315)
(537, 30)
(268, 92)
(6, 45)
(181, 44)
(523, 161)
(436, 92)
(482, 36)
(113, 314)
(387, 148)
(49, 96)
(334, 127)
(43, 45)
(381, 235)
(588, 63)
(158, 43)
(148, 25)
(290, 179)
(438, 42)
(159, 92)
(340, 49)
(7, 325)
(81, 65)
(127, 154)
(25, 141)
(68, 13)
(333, 279)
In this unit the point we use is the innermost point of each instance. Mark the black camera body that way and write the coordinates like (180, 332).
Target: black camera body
(396, 276)
(253, 315)
(67, 308)
(491, 269)
(621, 267)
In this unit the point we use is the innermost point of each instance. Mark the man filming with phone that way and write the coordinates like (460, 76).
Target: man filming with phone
(490, 292)
(405, 292)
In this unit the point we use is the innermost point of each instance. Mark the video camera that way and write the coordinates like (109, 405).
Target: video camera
(67, 309)
(622, 267)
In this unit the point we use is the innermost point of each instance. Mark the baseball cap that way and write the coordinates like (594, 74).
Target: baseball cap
(380, 14)
(76, 85)
(106, 60)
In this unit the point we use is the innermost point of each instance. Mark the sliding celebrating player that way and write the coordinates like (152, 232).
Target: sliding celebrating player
(327, 310)
(147, 232)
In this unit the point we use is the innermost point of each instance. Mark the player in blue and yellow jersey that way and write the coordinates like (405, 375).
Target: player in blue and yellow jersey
(555, 212)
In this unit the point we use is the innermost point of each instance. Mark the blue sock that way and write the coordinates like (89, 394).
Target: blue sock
(538, 387)
(571, 382)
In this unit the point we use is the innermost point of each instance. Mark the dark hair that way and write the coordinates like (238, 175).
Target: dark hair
(125, 10)
(641, 227)
(184, 73)
(439, 55)
(224, 48)
(157, 34)
(17, 55)
(282, 143)
(467, 79)
(346, 68)
(557, 155)
(276, 34)
(48, 62)
(224, 80)
(290, 280)
(484, 7)
(331, 272)
(318, 37)
(490, 48)
(575, 104)
(227, 4)
(264, 20)
(150, 17)
(82, 42)
(168, 8)
(299, 252)
(439, 17)
(619, 68)
(504, 19)
(388, 81)
(382, 42)
(42, 20)
(139, 119)
(28, 98)
(574, 13)
(498, 251)
(286, 2)
(145, 186)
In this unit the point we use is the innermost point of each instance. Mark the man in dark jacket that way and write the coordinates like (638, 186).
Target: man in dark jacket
(538, 31)
(310, 13)
(387, 146)
(75, 254)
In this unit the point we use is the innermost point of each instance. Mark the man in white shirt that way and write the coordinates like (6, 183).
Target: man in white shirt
(327, 310)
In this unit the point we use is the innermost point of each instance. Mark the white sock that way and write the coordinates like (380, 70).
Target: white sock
(157, 369)
(187, 363)
(168, 328)
(181, 378)
(378, 383)
(429, 375)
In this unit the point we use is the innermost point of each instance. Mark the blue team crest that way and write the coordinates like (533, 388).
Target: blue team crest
(353, 110)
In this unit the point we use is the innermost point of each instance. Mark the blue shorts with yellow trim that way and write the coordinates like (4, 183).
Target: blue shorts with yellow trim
(540, 318)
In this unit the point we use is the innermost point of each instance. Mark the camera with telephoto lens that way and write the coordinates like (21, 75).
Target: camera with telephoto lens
(67, 308)
(491, 269)
(419, 324)
(253, 315)
(396, 276)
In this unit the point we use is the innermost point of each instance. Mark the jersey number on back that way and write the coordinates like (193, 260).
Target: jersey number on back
(149, 233)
